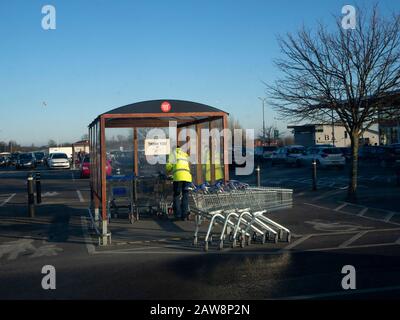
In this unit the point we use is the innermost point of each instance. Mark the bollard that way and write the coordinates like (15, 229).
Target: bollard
(31, 197)
(258, 171)
(314, 175)
(38, 188)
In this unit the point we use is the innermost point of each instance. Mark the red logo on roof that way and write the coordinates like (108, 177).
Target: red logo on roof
(165, 106)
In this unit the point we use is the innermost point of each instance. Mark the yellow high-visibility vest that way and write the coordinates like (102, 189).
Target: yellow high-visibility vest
(178, 163)
(219, 172)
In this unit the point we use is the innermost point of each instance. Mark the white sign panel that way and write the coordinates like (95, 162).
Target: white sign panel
(156, 147)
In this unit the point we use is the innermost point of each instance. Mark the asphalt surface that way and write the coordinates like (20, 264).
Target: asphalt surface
(155, 259)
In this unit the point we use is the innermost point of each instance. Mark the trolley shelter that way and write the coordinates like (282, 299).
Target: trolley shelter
(126, 153)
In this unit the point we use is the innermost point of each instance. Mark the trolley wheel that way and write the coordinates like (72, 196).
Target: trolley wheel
(242, 241)
(264, 238)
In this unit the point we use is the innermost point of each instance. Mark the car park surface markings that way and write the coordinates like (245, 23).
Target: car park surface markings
(353, 239)
(79, 193)
(2, 204)
(362, 216)
(340, 293)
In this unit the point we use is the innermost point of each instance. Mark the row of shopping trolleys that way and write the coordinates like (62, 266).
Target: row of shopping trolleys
(240, 216)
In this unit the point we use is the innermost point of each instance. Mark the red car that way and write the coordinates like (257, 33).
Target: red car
(85, 168)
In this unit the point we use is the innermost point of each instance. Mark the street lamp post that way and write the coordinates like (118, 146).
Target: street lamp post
(263, 109)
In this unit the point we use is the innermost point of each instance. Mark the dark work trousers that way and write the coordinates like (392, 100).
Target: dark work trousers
(181, 206)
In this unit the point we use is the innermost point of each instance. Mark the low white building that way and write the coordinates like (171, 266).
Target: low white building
(316, 134)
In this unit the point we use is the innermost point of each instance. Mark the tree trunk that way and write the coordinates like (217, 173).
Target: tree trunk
(352, 190)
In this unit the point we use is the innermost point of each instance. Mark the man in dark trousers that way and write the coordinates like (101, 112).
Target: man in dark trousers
(179, 165)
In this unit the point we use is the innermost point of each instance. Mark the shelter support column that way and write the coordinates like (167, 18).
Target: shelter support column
(212, 152)
(105, 237)
(226, 147)
(199, 165)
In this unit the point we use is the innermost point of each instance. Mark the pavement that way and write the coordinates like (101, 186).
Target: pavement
(153, 257)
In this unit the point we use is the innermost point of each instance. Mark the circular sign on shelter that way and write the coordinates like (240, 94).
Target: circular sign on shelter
(165, 106)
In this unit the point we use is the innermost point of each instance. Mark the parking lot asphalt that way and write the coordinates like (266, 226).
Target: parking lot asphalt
(150, 259)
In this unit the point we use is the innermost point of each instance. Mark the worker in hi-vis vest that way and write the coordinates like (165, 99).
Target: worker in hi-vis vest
(179, 165)
(219, 171)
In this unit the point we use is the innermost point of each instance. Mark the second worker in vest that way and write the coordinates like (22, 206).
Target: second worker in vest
(179, 165)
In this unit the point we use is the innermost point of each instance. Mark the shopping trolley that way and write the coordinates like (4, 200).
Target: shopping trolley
(239, 211)
(120, 195)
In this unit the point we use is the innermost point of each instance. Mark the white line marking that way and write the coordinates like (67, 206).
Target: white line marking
(80, 196)
(354, 247)
(353, 239)
(327, 194)
(89, 245)
(8, 199)
(362, 212)
(389, 216)
(350, 214)
(340, 207)
(340, 293)
(297, 242)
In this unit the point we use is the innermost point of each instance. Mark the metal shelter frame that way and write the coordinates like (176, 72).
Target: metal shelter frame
(148, 114)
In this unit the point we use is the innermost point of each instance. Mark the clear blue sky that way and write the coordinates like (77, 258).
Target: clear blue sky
(105, 54)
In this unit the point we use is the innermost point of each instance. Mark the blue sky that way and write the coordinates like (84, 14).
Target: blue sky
(105, 54)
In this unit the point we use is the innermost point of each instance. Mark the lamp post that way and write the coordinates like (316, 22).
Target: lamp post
(263, 109)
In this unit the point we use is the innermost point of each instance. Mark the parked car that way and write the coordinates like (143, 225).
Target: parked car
(40, 157)
(268, 152)
(390, 156)
(3, 162)
(25, 160)
(85, 168)
(288, 155)
(346, 151)
(59, 161)
(324, 157)
(14, 158)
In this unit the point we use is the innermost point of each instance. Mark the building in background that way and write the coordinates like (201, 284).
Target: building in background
(318, 134)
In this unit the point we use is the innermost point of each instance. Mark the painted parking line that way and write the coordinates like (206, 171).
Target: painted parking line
(353, 239)
(297, 242)
(362, 212)
(79, 193)
(7, 200)
(340, 293)
(352, 214)
(340, 207)
(327, 194)
(389, 216)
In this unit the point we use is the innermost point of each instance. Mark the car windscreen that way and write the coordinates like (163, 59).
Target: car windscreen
(25, 156)
(296, 150)
(59, 156)
(332, 151)
(39, 155)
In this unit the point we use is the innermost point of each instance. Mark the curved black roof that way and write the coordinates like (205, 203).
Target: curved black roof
(154, 106)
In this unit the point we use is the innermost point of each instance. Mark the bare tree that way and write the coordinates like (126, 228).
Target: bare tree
(350, 76)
